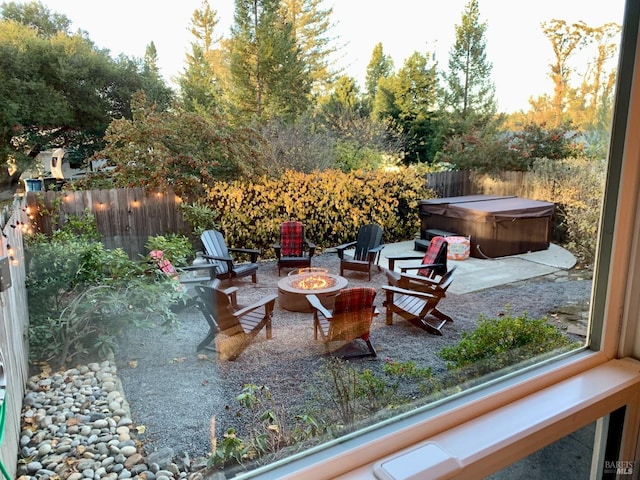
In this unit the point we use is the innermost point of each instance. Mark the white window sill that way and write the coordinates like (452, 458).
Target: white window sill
(479, 433)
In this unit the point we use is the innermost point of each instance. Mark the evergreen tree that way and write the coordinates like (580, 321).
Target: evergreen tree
(268, 76)
(343, 101)
(408, 101)
(470, 94)
(199, 85)
(310, 26)
(153, 85)
(380, 66)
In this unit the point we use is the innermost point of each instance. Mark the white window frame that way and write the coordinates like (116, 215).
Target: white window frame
(542, 404)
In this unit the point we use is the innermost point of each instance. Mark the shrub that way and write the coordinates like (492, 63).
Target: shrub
(81, 295)
(199, 217)
(176, 248)
(504, 341)
(332, 205)
(576, 187)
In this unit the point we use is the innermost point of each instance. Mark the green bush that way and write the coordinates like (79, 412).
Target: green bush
(504, 341)
(176, 248)
(81, 295)
(199, 217)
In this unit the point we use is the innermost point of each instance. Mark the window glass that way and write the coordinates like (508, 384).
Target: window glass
(256, 370)
(508, 311)
(568, 458)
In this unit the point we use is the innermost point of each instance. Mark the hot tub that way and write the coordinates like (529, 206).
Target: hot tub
(499, 226)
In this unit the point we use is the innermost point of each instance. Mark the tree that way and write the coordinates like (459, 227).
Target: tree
(470, 92)
(380, 66)
(565, 40)
(200, 84)
(58, 91)
(310, 25)
(345, 97)
(408, 101)
(583, 75)
(268, 76)
(181, 150)
(153, 85)
(37, 16)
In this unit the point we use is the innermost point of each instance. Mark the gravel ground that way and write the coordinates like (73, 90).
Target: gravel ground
(174, 392)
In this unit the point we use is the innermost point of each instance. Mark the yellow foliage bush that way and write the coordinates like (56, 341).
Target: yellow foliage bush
(331, 204)
(576, 186)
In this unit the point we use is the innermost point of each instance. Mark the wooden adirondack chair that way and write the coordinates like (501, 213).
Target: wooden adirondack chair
(349, 320)
(366, 250)
(293, 250)
(232, 327)
(217, 253)
(416, 299)
(433, 262)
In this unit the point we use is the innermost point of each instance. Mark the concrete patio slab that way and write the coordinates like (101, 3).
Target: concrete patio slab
(475, 274)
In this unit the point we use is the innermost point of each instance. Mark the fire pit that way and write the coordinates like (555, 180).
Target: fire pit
(305, 281)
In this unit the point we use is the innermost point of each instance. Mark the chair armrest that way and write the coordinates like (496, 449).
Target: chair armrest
(376, 249)
(277, 248)
(253, 254)
(314, 301)
(227, 260)
(424, 265)
(216, 257)
(312, 248)
(344, 246)
(193, 268)
(268, 301)
(393, 259)
(412, 293)
(419, 278)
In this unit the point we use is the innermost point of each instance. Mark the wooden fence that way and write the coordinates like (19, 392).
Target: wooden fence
(461, 183)
(14, 320)
(126, 218)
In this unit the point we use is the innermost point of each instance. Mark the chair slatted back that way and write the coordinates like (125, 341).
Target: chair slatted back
(436, 254)
(352, 314)
(292, 239)
(218, 307)
(369, 236)
(214, 244)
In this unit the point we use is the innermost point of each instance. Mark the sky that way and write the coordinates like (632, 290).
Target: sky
(516, 47)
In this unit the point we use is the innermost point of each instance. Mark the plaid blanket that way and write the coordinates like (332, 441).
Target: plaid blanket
(291, 239)
(352, 314)
(163, 264)
(434, 255)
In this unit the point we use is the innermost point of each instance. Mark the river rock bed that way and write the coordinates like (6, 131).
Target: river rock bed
(76, 425)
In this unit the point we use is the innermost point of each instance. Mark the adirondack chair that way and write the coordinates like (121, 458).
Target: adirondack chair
(433, 263)
(350, 318)
(366, 250)
(293, 249)
(217, 253)
(184, 276)
(232, 327)
(416, 299)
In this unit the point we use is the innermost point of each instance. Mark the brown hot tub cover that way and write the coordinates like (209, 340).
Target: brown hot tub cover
(498, 225)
